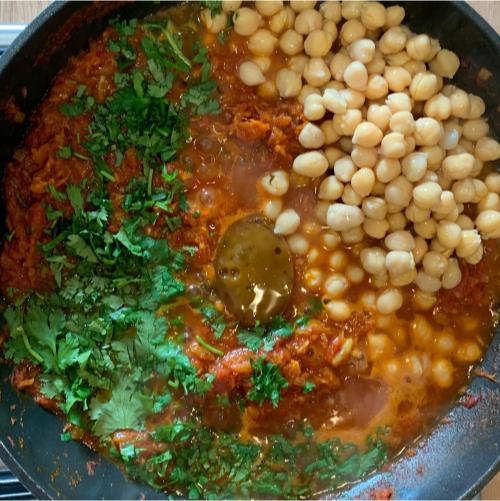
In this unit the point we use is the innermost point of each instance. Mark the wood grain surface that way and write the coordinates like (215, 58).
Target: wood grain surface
(20, 12)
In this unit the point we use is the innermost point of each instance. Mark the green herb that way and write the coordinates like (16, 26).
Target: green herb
(212, 317)
(64, 152)
(308, 386)
(215, 6)
(209, 465)
(267, 382)
(209, 347)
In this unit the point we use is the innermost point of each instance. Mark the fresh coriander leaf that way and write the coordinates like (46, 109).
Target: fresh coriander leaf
(64, 152)
(308, 386)
(267, 382)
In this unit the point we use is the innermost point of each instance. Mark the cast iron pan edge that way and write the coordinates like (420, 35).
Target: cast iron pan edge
(454, 461)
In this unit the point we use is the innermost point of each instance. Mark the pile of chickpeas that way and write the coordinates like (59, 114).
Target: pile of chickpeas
(395, 152)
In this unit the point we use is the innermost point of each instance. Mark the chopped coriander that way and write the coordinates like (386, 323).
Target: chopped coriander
(267, 382)
(308, 386)
(209, 347)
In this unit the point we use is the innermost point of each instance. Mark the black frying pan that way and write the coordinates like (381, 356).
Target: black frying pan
(454, 461)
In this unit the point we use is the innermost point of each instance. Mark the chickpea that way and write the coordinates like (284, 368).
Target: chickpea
(329, 131)
(393, 145)
(451, 135)
(230, 5)
(377, 65)
(434, 264)
(413, 67)
(424, 300)
(394, 16)
(300, 5)
(414, 165)
(403, 122)
(399, 101)
(262, 43)
(387, 169)
(214, 23)
(464, 190)
(310, 164)
(341, 217)
(428, 131)
(452, 275)
(361, 50)
(330, 189)
(477, 106)
(291, 43)
(339, 311)
(417, 214)
(331, 28)
(458, 166)
(438, 107)
(250, 74)
(397, 78)
(490, 202)
(318, 43)
(272, 208)
(389, 301)
(356, 76)
(373, 15)
(427, 283)
(376, 228)
(276, 183)
(351, 9)
(442, 372)
(263, 62)
(435, 156)
(298, 63)
(346, 124)
(338, 65)
(445, 63)
(282, 20)
(473, 130)
(351, 31)
(353, 98)
(288, 83)
(392, 41)
(399, 263)
(311, 136)
(399, 59)
(375, 208)
(379, 115)
(373, 260)
(493, 182)
(287, 223)
(344, 169)
(488, 222)
(313, 278)
(333, 101)
(427, 195)
(477, 256)
(354, 274)
(376, 87)
(419, 47)
(364, 157)
(367, 134)
(268, 7)
(396, 218)
(246, 21)
(445, 343)
(316, 72)
(333, 154)
(308, 20)
(481, 190)
(331, 11)
(298, 244)
(465, 222)
(470, 242)
(468, 352)
(487, 149)
(426, 229)
(350, 196)
(400, 241)
(423, 86)
(460, 104)
(335, 285)
(313, 107)
(362, 181)
(338, 260)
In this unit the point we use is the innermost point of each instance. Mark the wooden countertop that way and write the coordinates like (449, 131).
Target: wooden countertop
(20, 12)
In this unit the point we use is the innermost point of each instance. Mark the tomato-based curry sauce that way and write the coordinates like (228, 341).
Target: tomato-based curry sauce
(344, 380)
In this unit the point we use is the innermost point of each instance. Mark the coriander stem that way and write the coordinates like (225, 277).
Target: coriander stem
(209, 347)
